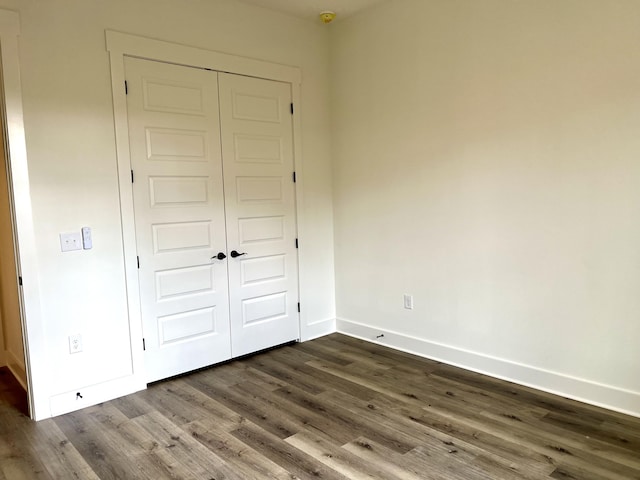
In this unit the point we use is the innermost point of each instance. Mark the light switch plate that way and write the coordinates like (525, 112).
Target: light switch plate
(70, 241)
(408, 301)
(87, 242)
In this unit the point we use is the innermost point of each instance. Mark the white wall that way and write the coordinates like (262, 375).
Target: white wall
(72, 162)
(486, 162)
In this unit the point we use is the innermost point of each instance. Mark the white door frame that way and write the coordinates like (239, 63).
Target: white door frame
(33, 330)
(120, 45)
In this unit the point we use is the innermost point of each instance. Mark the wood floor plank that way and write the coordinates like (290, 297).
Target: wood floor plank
(442, 435)
(244, 460)
(17, 463)
(342, 460)
(333, 408)
(396, 356)
(277, 369)
(453, 467)
(183, 451)
(352, 355)
(288, 457)
(60, 457)
(360, 425)
(267, 417)
(584, 427)
(107, 453)
(397, 465)
(537, 398)
(155, 451)
(132, 405)
(307, 418)
(554, 447)
(328, 381)
(578, 444)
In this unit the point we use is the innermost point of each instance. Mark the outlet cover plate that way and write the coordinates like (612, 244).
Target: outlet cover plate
(75, 343)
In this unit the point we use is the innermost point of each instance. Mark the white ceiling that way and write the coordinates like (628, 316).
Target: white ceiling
(310, 9)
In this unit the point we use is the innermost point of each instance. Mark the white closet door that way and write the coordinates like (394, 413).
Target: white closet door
(257, 146)
(179, 215)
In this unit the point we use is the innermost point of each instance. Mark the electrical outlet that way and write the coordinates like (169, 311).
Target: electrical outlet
(75, 343)
(408, 302)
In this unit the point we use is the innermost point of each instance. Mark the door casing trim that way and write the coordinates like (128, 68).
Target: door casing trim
(33, 328)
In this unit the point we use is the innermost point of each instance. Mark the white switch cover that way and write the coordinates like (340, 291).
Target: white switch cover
(87, 242)
(70, 241)
(408, 302)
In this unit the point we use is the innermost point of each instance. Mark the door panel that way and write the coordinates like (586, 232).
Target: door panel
(257, 146)
(179, 213)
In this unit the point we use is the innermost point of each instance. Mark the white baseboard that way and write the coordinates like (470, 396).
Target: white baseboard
(317, 329)
(594, 393)
(94, 394)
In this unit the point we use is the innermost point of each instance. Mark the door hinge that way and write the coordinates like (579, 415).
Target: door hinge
(294, 177)
(138, 260)
(291, 108)
(144, 346)
(20, 281)
(126, 88)
(296, 243)
(298, 307)
(131, 176)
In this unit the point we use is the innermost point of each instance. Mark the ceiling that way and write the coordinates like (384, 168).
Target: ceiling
(310, 9)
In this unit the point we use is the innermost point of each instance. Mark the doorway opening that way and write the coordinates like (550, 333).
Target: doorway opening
(13, 377)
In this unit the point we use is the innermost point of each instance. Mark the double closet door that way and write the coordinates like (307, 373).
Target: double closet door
(214, 205)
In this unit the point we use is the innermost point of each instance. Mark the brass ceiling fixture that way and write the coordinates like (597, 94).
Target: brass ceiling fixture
(327, 16)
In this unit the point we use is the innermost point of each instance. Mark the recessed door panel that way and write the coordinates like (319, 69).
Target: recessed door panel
(257, 108)
(178, 191)
(174, 138)
(262, 269)
(259, 189)
(178, 282)
(264, 308)
(257, 146)
(178, 96)
(166, 144)
(173, 237)
(185, 326)
(260, 229)
(258, 149)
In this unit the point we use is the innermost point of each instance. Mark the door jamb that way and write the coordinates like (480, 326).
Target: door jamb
(33, 331)
(120, 45)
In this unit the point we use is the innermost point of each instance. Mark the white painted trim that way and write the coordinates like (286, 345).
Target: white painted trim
(37, 371)
(120, 45)
(319, 328)
(121, 126)
(92, 395)
(583, 390)
(299, 193)
(133, 45)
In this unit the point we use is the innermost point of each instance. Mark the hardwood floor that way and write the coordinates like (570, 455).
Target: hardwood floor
(332, 408)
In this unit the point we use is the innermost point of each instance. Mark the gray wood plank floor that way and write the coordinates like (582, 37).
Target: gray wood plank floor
(332, 408)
